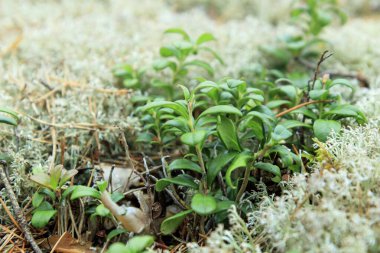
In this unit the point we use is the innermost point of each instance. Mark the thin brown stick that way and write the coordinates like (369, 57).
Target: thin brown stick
(10, 214)
(83, 126)
(323, 57)
(17, 210)
(358, 76)
(301, 105)
(57, 243)
(9, 231)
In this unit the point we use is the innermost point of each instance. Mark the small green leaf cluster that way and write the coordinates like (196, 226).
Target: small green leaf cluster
(311, 17)
(46, 200)
(322, 110)
(177, 57)
(54, 193)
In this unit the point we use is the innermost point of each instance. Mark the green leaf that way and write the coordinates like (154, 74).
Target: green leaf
(256, 128)
(227, 133)
(44, 206)
(115, 233)
(179, 31)
(194, 138)
(118, 247)
(240, 160)
(144, 137)
(216, 165)
(275, 170)
(170, 225)
(235, 83)
(138, 244)
(184, 46)
(178, 108)
(343, 82)
(183, 180)
(161, 64)
(117, 196)
(215, 54)
(55, 175)
(323, 128)
(84, 191)
(203, 204)
(48, 192)
(264, 118)
(101, 210)
(11, 117)
(281, 55)
(281, 133)
(221, 109)
(102, 185)
(66, 176)
(185, 91)
(42, 179)
(205, 38)
(68, 191)
(294, 123)
(8, 120)
(10, 112)
(181, 164)
(37, 199)
(223, 205)
(41, 218)
(304, 111)
(169, 51)
(286, 155)
(277, 103)
(342, 111)
(202, 64)
(289, 90)
(319, 94)
(179, 123)
(205, 85)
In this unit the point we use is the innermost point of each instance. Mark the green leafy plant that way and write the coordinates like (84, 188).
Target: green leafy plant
(311, 17)
(232, 130)
(129, 77)
(177, 57)
(54, 192)
(315, 108)
(47, 199)
(241, 129)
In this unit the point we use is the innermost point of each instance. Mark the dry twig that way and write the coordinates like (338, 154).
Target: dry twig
(16, 208)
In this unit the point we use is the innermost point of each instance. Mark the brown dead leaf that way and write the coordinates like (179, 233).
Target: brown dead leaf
(66, 244)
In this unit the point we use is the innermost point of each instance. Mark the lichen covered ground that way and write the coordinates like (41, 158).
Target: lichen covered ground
(56, 59)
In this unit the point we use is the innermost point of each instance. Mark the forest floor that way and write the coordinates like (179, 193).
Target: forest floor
(56, 61)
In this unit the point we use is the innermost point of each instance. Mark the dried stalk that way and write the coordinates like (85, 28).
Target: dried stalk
(132, 218)
(17, 210)
(301, 105)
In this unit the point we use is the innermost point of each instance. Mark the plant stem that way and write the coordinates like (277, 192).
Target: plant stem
(198, 149)
(244, 184)
(201, 163)
(257, 156)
